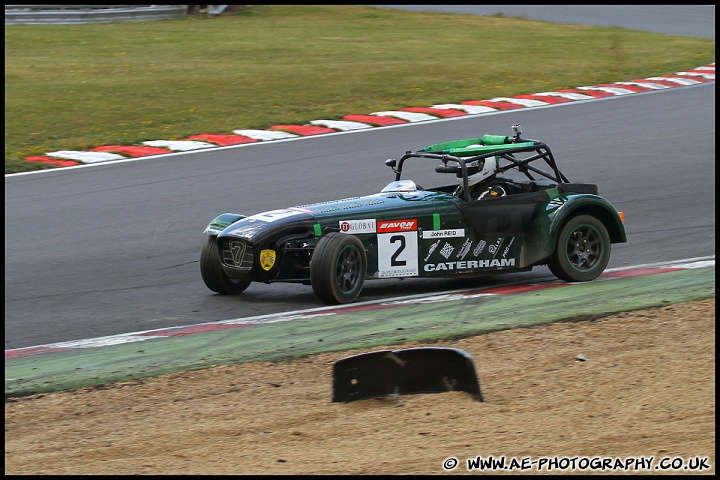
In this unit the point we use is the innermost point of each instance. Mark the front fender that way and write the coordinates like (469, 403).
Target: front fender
(221, 222)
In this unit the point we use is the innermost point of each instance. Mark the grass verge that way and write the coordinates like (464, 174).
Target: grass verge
(74, 87)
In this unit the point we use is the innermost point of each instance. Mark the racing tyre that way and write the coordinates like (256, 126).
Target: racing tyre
(338, 268)
(212, 273)
(582, 251)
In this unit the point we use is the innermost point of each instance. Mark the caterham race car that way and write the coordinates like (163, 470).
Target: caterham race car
(507, 208)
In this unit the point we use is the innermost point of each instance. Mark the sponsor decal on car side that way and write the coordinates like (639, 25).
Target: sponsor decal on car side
(493, 248)
(399, 255)
(389, 226)
(464, 249)
(447, 250)
(466, 254)
(507, 249)
(432, 249)
(469, 264)
(479, 248)
(358, 226)
(456, 232)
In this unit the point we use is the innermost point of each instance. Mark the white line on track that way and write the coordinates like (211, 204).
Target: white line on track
(688, 263)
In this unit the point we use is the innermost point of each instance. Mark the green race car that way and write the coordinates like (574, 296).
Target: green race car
(508, 208)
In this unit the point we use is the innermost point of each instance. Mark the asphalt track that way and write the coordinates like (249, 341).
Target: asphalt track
(689, 20)
(108, 249)
(419, 318)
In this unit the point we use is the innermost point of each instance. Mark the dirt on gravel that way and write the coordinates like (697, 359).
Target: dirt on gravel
(630, 387)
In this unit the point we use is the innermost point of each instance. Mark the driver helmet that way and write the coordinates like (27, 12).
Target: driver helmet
(479, 170)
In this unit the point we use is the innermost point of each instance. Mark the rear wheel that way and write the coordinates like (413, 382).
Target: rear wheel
(338, 268)
(212, 273)
(582, 251)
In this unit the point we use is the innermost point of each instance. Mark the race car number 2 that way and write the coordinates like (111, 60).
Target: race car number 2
(397, 254)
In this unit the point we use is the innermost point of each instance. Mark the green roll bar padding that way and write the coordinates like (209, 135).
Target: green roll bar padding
(469, 152)
(495, 139)
(441, 147)
(485, 144)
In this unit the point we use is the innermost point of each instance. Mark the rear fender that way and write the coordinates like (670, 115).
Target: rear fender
(596, 206)
(221, 222)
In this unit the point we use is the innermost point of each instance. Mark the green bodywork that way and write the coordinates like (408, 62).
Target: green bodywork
(418, 233)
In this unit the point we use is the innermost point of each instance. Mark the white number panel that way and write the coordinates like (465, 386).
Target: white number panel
(398, 254)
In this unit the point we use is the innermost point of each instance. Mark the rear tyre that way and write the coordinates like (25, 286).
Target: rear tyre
(212, 273)
(582, 251)
(338, 268)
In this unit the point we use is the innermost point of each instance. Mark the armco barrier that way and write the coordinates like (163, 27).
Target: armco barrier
(78, 14)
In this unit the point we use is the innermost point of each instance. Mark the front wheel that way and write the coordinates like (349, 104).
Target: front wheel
(338, 268)
(212, 273)
(582, 251)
